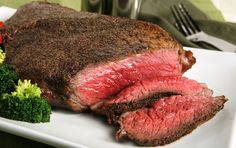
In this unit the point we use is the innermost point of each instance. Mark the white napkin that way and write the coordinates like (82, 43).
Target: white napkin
(227, 7)
(6, 12)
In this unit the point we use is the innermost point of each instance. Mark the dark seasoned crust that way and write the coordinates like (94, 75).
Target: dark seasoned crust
(113, 110)
(182, 131)
(51, 44)
(30, 13)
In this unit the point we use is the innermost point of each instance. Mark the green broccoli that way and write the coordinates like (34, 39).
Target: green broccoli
(8, 79)
(25, 104)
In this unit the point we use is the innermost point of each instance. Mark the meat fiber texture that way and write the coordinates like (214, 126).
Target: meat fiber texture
(144, 93)
(129, 70)
(79, 59)
(168, 119)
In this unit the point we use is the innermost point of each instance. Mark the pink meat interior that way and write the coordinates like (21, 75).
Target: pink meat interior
(145, 88)
(96, 83)
(168, 116)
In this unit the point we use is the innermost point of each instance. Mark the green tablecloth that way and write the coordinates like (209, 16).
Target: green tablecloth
(75, 4)
(157, 11)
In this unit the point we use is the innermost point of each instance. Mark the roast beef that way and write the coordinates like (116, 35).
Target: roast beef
(144, 93)
(112, 65)
(80, 59)
(168, 119)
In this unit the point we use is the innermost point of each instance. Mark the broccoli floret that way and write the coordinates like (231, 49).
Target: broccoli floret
(26, 90)
(2, 56)
(8, 79)
(25, 104)
(32, 110)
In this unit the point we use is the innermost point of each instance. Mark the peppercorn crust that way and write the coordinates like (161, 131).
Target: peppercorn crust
(51, 47)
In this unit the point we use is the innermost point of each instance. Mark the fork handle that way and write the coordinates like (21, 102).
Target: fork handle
(218, 43)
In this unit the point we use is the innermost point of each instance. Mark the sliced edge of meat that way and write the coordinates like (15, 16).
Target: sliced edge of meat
(58, 43)
(144, 93)
(168, 119)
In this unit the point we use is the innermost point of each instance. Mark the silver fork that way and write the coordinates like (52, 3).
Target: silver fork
(187, 26)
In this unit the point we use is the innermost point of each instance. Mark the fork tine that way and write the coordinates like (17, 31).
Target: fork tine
(185, 25)
(183, 20)
(179, 25)
(189, 19)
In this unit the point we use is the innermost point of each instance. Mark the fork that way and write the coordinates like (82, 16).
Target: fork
(188, 27)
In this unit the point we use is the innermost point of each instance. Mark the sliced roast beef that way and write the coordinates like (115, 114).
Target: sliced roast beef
(83, 60)
(79, 59)
(168, 119)
(144, 93)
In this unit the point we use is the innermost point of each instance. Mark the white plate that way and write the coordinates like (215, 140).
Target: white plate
(6, 12)
(68, 129)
